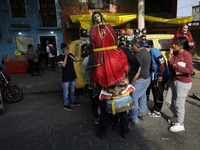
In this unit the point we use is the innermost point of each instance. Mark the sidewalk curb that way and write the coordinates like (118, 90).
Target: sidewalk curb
(44, 90)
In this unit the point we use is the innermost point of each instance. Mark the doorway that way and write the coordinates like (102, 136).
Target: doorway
(51, 39)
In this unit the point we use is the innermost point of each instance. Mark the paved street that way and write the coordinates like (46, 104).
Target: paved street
(39, 122)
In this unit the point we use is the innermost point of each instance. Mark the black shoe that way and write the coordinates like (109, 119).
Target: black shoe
(102, 137)
(109, 127)
(32, 75)
(68, 108)
(133, 123)
(1, 111)
(125, 135)
(141, 117)
(75, 104)
(172, 120)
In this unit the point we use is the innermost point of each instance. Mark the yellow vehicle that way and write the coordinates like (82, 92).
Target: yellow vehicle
(161, 41)
(75, 49)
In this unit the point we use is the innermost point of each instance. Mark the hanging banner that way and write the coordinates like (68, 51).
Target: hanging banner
(22, 43)
(116, 19)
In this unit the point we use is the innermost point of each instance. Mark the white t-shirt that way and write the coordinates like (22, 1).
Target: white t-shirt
(84, 64)
(48, 51)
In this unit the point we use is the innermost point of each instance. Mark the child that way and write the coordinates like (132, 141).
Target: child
(40, 59)
(68, 76)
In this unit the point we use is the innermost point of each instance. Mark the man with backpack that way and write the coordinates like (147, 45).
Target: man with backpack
(51, 53)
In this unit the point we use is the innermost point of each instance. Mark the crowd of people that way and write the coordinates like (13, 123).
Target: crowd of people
(40, 59)
(110, 80)
(148, 69)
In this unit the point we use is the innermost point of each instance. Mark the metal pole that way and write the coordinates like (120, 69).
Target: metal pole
(141, 14)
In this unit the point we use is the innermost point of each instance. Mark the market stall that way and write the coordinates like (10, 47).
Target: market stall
(15, 64)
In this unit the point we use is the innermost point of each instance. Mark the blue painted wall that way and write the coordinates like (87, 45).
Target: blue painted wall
(33, 19)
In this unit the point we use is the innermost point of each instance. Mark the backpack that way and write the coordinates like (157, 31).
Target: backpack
(52, 50)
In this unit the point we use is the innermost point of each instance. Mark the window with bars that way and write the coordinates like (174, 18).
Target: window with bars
(18, 8)
(98, 4)
(48, 16)
(165, 44)
(157, 6)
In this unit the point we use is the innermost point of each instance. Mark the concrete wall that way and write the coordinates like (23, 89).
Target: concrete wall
(168, 30)
(84, 2)
(196, 13)
(33, 19)
(196, 37)
(77, 7)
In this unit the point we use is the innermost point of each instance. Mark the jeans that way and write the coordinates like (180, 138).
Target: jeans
(41, 67)
(66, 86)
(175, 98)
(140, 99)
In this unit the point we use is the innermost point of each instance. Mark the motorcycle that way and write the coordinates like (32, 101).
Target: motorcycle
(10, 92)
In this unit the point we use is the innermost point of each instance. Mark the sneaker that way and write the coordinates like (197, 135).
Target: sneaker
(142, 117)
(96, 121)
(38, 74)
(68, 108)
(154, 114)
(177, 127)
(52, 72)
(172, 120)
(125, 135)
(44, 72)
(102, 137)
(131, 122)
(75, 104)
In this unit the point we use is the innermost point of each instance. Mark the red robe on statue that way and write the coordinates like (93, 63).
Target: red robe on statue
(188, 35)
(111, 64)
